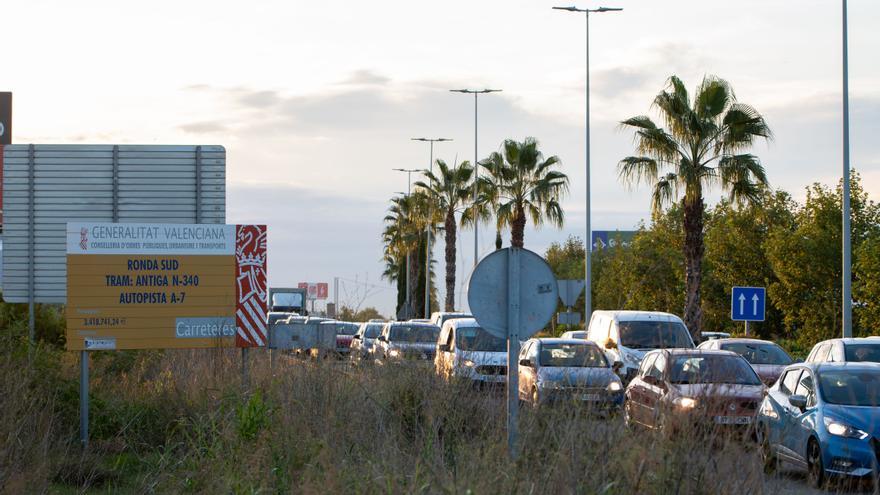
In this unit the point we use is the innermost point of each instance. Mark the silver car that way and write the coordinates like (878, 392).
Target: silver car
(403, 340)
(554, 370)
(362, 342)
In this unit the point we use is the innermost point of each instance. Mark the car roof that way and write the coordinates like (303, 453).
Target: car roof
(826, 366)
(461, 322)
(559, 340)
(698, 352)
(744, 340)
(633, 315)
(411, 324)
(854, 340)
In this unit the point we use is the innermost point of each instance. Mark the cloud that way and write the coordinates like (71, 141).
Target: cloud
(365, 77)
(205, 127)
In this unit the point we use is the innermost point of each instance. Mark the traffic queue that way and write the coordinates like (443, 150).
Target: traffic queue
(821, 416)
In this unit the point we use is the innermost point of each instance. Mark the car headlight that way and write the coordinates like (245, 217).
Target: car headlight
(615, 386)
(394, 353)
(685, 402)
(468, 363)
(547, 384)
(843, 430)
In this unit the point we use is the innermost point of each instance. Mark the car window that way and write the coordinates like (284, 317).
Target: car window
(712, 368)
(851, 387)
(563, 355)
(638, 334)
(862, 352)
(533, 353)
(789, 382)
(478, 339)
(647, 363)
(759, 353)
(822, 353)
(805, 387)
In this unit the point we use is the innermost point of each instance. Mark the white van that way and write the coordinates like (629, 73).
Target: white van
(626, 336)
(466, 350)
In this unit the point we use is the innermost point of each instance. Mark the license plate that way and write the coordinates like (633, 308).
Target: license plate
(591, 397)
(733, 420)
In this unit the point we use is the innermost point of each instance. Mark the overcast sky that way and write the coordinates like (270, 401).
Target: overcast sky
(316, 102)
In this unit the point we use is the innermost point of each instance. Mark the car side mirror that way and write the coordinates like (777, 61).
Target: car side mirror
(443, 347)
(610, 344)
(356, 336)
(616, 366)
(525, 362)
(798, 401)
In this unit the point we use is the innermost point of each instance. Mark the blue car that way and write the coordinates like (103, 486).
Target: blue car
(824, 418)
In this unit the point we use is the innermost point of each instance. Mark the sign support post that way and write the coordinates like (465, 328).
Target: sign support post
(513, 310)
(747, 328)
(84, 398)
(245, 385)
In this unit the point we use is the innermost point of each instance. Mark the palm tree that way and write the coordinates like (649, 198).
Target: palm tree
(486, 206)
(404, 226)
(448, 191)
(524, 186)
(704, 145)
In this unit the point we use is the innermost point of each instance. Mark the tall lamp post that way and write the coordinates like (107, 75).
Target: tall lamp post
(428, 228)
(588, 241)
(476, 93)
(409, 172)
(847, 261)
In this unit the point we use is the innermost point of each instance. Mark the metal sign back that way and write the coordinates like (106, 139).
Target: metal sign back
(570, 290)
(488, 293)
(572, 318)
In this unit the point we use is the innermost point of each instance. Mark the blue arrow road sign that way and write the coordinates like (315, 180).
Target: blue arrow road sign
(748, 303)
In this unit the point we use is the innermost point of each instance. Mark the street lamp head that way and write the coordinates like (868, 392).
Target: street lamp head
(570, 9)
(608, 9)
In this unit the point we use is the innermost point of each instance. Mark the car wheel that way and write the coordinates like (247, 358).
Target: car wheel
(768, 457)
(815, 468)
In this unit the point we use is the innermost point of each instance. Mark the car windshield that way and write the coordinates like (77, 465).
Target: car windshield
(862, 352)
(851, 387)
(373, 330)
(287, 300)
(414, 334)
(712, 369)
(346, 329)
(653, 335)
(477, 339)
(572, 355)
(759, 353)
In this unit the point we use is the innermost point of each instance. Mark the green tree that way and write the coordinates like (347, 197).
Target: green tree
(525, 185)
(736, 256)
(486, 207)
(448, 192)
(807, 262)
(703, 145)
(403, 235)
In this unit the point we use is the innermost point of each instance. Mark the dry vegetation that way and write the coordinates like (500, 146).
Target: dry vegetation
(171, 422)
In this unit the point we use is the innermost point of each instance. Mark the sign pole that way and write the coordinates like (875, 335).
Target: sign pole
(513, 327)
(747, 328)
(84, 398)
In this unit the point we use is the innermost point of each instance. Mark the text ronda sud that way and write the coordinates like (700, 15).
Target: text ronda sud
(152, 280)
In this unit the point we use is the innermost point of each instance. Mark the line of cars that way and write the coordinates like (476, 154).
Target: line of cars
(822, 415)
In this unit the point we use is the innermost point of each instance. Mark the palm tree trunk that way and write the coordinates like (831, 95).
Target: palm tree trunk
(518, 227)
(693, 259)
(413, 282)
(450, 260)
(498, 241)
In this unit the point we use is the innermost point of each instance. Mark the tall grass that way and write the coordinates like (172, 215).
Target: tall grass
(178, 421)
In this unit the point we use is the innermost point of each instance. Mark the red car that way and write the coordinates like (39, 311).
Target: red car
(767, 358)
(693, 388)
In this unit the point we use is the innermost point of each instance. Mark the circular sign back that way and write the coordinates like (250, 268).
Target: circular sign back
(488, 292)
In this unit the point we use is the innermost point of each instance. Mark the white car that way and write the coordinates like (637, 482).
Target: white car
(439, 318)
(574, 334)
(465, 350)
(626, 336)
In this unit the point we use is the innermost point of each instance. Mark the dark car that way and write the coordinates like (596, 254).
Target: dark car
(767, 358)
(403, 340)
(693, 388)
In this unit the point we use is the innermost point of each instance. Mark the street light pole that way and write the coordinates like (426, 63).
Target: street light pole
(428, 228)
(588, 240)
(408, 192)
(847, 261)
(475, 92)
